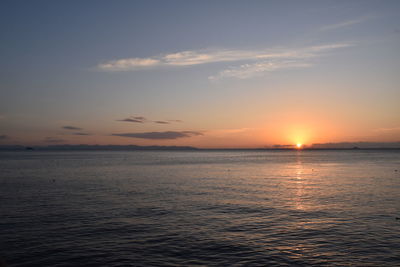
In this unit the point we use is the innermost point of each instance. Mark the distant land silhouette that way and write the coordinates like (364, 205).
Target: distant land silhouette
(94, 147)
(321, 146)
(357, 145)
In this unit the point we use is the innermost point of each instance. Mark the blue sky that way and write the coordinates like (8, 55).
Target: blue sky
(236, 73)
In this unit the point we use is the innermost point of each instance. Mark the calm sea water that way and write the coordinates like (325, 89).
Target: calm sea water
(253, 208)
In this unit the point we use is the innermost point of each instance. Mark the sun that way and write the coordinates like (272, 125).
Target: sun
(299, 145)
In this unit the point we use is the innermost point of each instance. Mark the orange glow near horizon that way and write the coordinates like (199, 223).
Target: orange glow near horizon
(299, 145)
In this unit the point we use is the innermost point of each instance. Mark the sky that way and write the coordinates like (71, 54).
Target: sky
(209, 74)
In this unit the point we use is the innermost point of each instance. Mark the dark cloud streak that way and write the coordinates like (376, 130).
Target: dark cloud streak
(138, 119)
(72, 128)
(170, 135)
(141, 119)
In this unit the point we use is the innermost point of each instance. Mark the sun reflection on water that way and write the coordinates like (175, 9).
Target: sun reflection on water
(299, 184)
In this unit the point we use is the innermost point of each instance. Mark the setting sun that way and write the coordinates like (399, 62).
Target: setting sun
(298, 145)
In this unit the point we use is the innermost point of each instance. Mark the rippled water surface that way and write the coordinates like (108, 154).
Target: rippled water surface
(219, 208)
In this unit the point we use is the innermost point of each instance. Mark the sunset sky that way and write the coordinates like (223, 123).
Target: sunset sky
(199, 73)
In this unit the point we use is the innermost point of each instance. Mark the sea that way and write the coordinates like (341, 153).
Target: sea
(200, 208)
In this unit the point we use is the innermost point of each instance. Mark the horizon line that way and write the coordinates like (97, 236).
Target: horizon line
(316, 146)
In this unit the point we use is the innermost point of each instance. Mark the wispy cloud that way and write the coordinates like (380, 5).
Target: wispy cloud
(81, 134)
(246, 71)
(345, 24)
(189, 58)
(161, 122)
(160, 135)
(72, 128)
(138, 119)
(141, 119)
(130, 63)
(184, 58)
(294, 59)
(254, 62)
